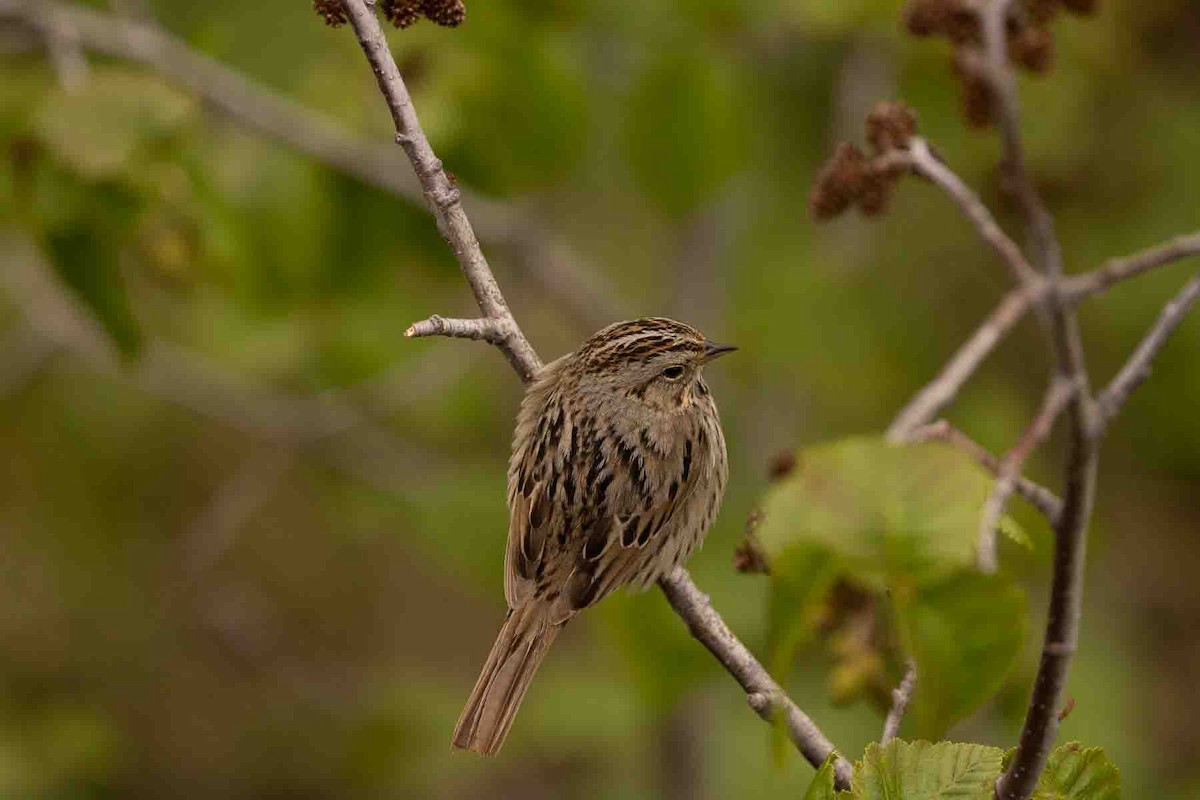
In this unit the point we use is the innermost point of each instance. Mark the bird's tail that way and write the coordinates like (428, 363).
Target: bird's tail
(519, 649)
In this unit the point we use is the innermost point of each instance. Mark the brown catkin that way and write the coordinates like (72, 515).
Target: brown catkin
(890, 125)
(332, 11)
(839, 182)
(875, 193)
(401, 13)
(925, 17)
(1033, 49)
(1081, 7)
(976, 98)
(445, 12)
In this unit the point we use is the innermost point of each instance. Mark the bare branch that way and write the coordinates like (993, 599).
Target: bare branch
(765, 696)
(1077, 287)
(901, 695)
(548, 260)
(485, 329)
(926, 164)
(1137, 368)
(1066, 590)
(938, 393)
(1057, 395)
(1035, 494)
(441, 193)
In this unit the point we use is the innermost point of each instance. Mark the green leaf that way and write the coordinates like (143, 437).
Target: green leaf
(1075, 773)
(890, 511)
(99, 131)
(86, 255)
(821, 787)
(965, 632)
(924, 771)
(801, 577)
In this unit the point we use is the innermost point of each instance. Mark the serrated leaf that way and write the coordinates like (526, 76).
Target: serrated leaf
(99, 131)
(891, 511)
(821, 787)
(1076, 773)
(965, 632)
(923, 771)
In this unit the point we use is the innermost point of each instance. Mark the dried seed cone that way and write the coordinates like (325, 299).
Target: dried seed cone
(332, 11)
(445, 12)
(838, 184)
(401, 13)
(925, 17)
(1033, 49)
(1081, 7)
(976, 99)
(875, 194)
(890, 126)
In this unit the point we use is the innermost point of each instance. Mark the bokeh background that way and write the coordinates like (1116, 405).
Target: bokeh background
(251, 537)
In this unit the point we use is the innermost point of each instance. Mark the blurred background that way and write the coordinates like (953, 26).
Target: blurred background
(251, 538)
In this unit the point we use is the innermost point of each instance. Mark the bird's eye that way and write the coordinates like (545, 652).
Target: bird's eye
(673, 373)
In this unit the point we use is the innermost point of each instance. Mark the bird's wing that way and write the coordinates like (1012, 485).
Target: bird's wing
(584, 503)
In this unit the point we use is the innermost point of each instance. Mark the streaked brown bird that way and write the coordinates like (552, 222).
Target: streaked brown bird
(617, 471)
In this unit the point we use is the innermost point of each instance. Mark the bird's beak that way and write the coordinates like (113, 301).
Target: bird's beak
(713, 350)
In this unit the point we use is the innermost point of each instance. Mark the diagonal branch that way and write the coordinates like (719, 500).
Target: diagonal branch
(1078, 287)
(765, 695)
(442, 194)
(922, 160)
(1066, 591)
(938, 393)
(1057, 395)
(1035, 494)
(1137, 368)
(901, 696)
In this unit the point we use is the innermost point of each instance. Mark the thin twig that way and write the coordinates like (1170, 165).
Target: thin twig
(1077, 287)
(589, 298)
(900, 698)
(1033, 493)
(1066, 591)
(938, 393)
(1058, 393)
(442, 195)
(1137, 368)
(766, 697)
(925, 163)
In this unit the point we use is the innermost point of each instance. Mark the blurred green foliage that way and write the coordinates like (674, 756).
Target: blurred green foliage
(345, 594)
(859, 528)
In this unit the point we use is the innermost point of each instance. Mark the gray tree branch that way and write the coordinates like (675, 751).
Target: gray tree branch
(765, 695)
(1058, 394)
(1078, 287)
(939, 392)
(1035, 494)
(1137, 369)
(1066, 592)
